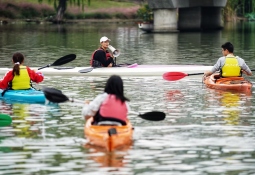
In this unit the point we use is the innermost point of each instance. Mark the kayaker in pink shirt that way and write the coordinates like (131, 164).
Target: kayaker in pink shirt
(111, 105)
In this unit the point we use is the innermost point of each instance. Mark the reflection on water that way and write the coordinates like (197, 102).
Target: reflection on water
(205, 131)
(232, 103)
(43, 44)
(108, 159)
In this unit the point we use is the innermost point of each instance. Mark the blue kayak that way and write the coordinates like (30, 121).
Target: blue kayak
(28, 96)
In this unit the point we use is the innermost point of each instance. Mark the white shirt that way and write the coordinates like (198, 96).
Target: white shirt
(92, 108)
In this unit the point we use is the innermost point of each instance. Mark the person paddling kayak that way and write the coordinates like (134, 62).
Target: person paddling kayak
(109, 106)
(102, 57)
(229, 65)
(20, 76)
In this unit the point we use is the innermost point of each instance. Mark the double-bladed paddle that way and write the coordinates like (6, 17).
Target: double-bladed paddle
(61, 61)
(173, 76)
(56, 96)
(5, 120)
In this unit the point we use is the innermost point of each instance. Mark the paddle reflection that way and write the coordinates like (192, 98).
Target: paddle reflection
(174, 95)
(105, 158)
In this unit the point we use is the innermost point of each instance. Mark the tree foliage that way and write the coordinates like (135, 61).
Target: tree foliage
(61, 5)
(239, 8)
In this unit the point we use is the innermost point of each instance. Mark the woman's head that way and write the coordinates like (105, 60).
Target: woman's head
(17, 59)
(114, 85)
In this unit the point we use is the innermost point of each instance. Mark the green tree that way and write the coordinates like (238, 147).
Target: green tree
(61, 5)
(239, 8)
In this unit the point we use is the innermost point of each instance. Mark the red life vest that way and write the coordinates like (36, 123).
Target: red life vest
(114, 108)
(107, 55)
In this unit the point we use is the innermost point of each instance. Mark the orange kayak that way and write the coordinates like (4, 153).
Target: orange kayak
(238, 84)
(109, 137)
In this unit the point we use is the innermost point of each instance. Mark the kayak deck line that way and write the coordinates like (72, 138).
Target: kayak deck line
(134, 70)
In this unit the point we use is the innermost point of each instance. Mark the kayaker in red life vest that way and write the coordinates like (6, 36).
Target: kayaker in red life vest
(229, 65)
(20, 76)
(102, 57)
(110, 106)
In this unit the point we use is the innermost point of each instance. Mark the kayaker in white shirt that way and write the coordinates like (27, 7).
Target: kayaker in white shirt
(229, 65)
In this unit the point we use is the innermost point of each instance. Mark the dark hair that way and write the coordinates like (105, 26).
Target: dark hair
(114, 85)
(228, 46)
(17, 59)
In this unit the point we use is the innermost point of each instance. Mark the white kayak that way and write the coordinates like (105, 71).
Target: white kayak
(131, 70)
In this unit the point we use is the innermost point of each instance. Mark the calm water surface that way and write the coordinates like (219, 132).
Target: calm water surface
(205, 131)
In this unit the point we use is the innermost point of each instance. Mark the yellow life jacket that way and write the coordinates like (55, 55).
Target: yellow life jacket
(21, 81)
(231, 68)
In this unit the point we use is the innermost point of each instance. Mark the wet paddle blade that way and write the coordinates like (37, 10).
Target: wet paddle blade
(173, 76)
(5, 120)
(86, 70)
(61, 61)
(153, 116)
(64, 60)
(54, 95)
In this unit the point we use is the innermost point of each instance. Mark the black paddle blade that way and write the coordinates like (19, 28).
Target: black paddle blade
(64, 60)
(54, 95)
(86, 70)
(153, 116)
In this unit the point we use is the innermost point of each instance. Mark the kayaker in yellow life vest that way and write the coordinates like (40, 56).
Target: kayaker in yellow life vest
(20, 76)
(110, 106)
(229, 65)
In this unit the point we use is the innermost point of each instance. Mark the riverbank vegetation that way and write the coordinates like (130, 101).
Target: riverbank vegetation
(239, 9)
(46, 10)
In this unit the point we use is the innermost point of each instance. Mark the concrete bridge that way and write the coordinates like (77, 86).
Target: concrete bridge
(174, 15)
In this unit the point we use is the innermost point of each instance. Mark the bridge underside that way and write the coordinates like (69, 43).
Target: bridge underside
(200, 18)
(173, 15)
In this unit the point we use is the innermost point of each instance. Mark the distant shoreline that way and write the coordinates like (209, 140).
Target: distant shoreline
(6, 21)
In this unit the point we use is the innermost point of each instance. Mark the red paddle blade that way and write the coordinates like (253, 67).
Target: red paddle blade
(173, 76)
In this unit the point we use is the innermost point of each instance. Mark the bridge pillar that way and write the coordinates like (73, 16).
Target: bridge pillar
(200, 18)
(193, 14)
(165, 20)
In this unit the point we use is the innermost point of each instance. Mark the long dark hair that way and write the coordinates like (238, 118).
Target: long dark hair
(17, 59)
(114, 85)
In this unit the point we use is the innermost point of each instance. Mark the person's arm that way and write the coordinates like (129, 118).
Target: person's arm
(35, 76)
(247, 73)
(90, 108)
(6, 79)
(216, 67)
(101, 57)
(244, 67)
